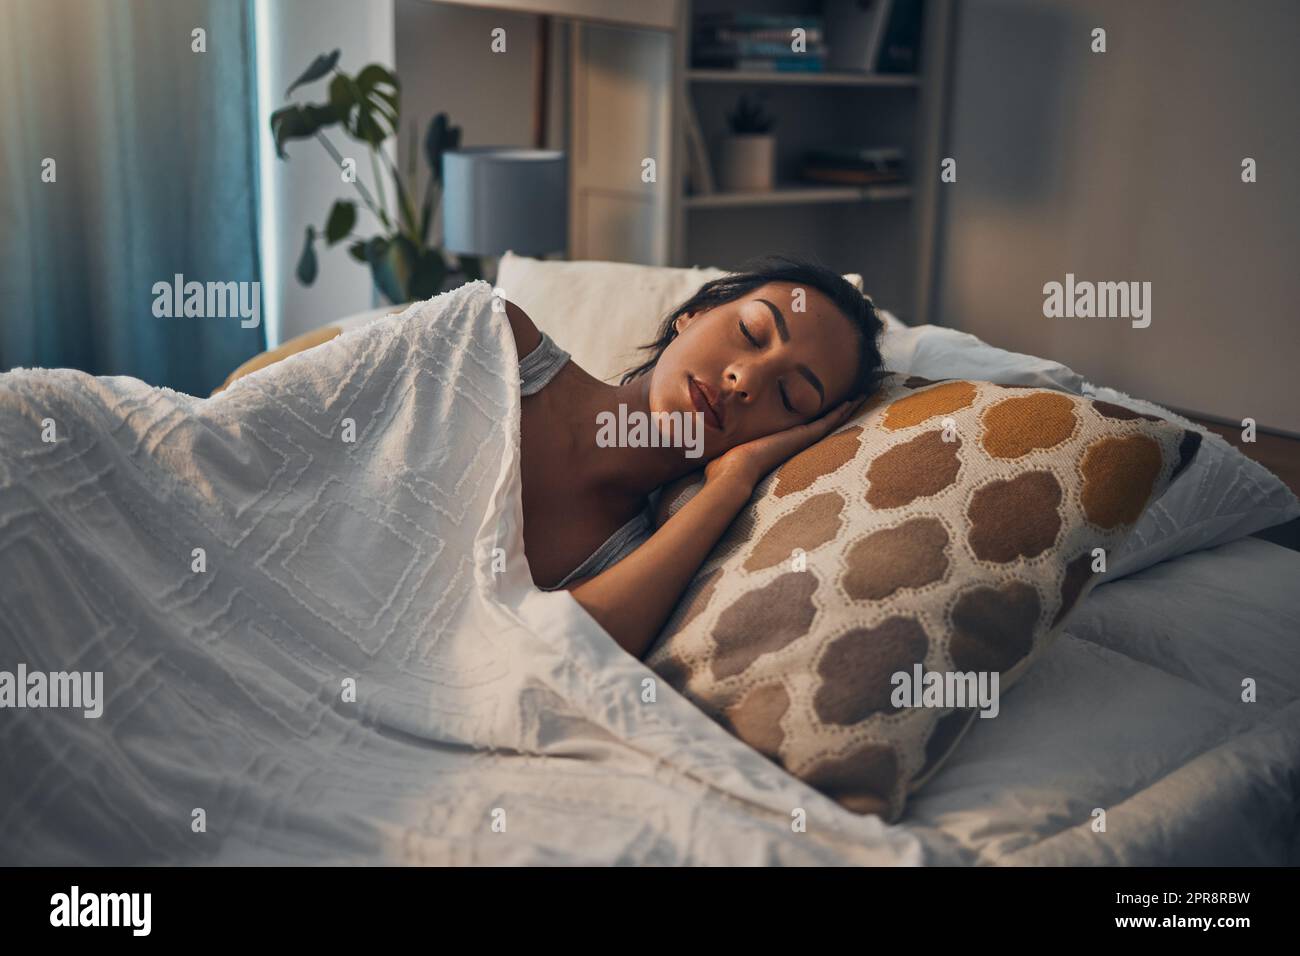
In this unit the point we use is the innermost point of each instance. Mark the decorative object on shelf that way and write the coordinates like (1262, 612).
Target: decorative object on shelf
(502, 198)
(747, 157)
(858, 30)
(854, 166)
(900, 52)
(404, 263)
(874, 36)
(759, 41)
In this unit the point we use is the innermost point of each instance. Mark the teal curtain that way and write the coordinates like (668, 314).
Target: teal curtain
(155, 164)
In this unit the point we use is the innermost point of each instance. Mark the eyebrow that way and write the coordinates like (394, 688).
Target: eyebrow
(784, 332)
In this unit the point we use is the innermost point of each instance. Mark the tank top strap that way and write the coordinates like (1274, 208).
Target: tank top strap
(539, 366)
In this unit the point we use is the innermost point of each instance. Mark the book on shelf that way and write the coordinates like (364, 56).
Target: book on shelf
(778, 48)
(739, 19)
(864, 166)
(728, 35)
(850, 177)
(699, 170)
(758, 42)
(798, 63)
(861, 157)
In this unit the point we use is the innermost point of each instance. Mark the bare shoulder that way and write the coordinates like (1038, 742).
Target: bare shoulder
(527, 335)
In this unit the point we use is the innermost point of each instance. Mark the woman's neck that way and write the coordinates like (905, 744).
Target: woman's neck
(621, 468)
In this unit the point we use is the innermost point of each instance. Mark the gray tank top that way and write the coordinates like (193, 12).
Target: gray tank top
(536, 369)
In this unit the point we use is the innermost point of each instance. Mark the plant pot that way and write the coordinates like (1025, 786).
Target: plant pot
(747, 162)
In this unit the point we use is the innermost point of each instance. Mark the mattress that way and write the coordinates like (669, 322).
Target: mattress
(1137, 710)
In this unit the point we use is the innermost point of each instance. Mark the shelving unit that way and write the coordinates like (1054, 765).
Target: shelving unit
(885, 232)
(828, 78)
(799, 194)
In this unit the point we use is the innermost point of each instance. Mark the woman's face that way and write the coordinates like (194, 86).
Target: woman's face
(757, 365)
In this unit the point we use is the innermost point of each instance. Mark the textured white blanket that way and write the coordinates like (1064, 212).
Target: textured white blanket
(342, 673)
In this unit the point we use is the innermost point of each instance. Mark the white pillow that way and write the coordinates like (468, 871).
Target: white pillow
(601, 313)
(934, 352)
(1223, 496)
(892, 322)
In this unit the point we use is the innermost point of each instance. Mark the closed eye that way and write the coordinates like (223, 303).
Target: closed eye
(785, 399)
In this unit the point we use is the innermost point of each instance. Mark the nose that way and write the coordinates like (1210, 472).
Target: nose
(737, 388)
(742, 382)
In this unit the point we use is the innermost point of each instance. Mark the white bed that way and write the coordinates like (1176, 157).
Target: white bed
(492, 695)
(1137, 709)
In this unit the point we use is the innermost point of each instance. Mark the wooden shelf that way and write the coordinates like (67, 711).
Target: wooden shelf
(798, 194)
(816, 109)
(803, 79)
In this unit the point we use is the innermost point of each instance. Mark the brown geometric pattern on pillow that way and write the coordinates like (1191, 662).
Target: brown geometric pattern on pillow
(951, 525)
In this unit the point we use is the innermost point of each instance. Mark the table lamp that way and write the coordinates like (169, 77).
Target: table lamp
(499, 198)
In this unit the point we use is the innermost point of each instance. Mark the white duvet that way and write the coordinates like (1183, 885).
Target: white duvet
(1137, 710)
(492, 722)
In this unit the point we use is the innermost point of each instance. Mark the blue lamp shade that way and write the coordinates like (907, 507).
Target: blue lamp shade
(499, 198)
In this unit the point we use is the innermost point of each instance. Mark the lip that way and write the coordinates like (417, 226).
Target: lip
(706, 403)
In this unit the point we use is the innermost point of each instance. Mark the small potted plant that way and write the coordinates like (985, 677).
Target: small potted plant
(747, 156)
(405, 262)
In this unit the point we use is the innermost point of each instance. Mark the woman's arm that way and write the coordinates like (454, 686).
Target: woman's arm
(633, 600)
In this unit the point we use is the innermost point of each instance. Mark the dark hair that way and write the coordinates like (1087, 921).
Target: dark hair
(856, 307)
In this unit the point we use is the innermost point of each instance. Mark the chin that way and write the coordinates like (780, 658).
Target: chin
(666, 397)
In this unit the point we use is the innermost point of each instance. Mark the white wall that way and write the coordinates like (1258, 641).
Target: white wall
(445, 59)
(1126, 166)
(622, 87)
(301, 189)
(446, 64)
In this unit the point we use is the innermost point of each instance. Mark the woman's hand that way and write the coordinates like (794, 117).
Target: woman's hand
(633, 599)
(749, 463)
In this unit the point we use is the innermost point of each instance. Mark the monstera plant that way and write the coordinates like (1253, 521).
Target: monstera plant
(405, 265)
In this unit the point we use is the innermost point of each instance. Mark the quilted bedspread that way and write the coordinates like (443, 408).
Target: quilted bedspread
(319, 641)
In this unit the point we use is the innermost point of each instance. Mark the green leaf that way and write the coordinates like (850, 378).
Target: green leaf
(429, 275)
(441, 137)
(307, 261)
(358, 251)
(381, 88)
(345, 100)
(319, 67)
(368, 105)
(343, 216)
(300, 122)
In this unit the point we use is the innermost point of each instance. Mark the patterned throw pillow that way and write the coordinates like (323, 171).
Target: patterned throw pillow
(948, 529)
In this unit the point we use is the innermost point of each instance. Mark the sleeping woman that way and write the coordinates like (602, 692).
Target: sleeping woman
(773, 358)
